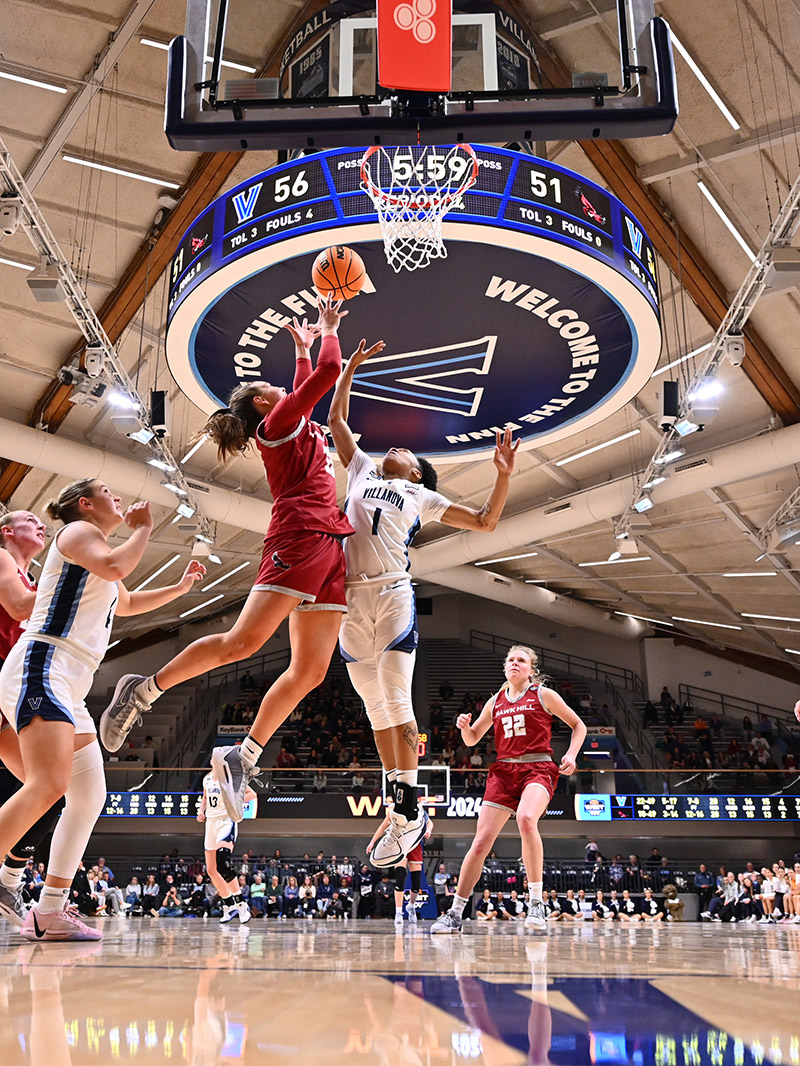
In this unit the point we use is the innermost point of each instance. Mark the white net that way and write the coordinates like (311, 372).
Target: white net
(412, 189)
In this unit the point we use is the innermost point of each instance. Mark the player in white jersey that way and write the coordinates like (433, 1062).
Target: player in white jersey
(47, 676)
(386, 506)
(220, 837)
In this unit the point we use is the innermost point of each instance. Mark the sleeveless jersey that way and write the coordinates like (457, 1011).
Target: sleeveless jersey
(10, 628)
(523, 726)
(74, 609)
(386, 516)
(215, 808)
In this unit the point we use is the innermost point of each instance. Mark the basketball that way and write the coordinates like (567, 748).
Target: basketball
(339, 270)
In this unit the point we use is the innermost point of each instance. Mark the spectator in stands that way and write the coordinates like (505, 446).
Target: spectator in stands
(649, 715)
(726, 902)
(247, 682)
(133, 894)
(747, 729)
(358, 780)
(704, 886)
(319, 782)
(198, 905)
(171, 904)
(699, 725)
(599, 879)
(715, 725)
(553, 906)
(765, 727)
(585, 909)
(750, 909)
(616, 873)
(446, 691)
(273, 898)
(363, 886)
(334, 907)
(443, 888)
(665, 699)
(291, 898)
(590, 851)
(258, 897)
(384, 896)
(633, 874)
(151, 896)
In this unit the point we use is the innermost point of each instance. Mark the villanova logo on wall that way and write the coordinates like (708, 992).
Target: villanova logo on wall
(543, 315)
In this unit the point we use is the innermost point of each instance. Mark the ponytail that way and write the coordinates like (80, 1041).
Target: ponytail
(67, 507)
(233, 427)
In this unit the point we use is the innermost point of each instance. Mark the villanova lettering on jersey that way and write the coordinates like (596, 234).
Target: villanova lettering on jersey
(380, 492)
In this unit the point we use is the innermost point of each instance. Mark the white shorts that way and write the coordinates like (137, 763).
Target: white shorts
(220, 833)
(38, 680)
(379, 618)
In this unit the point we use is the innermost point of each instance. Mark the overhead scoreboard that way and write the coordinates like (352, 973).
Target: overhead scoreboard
(602, 808)
(544, 315)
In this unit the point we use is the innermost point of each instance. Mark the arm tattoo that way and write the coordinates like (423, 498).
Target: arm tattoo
(411, 735)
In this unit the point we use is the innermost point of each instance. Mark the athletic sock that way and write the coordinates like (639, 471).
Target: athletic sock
(398, 912)
(408, 777)
(535, 892)
(459, 903)
(52, 900)
(149, 689)
(11, 872)
(250, 752)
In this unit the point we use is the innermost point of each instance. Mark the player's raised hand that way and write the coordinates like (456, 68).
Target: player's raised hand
(463, 721)
(195, 571)
(303, 333)
(330, 314)
(505, 452)
(138, 515)
(362, 352)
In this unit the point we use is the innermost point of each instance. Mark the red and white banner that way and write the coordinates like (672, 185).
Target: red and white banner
(415, 45)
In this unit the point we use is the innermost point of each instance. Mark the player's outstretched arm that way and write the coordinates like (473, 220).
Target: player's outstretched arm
(470, 733)
(343, 439)
(141, 602)
(486, 519)
(85, 545)
(15, 599)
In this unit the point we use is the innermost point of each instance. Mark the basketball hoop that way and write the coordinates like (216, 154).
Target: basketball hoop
(412, 190)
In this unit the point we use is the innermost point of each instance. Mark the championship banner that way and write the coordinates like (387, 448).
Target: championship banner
(415, 44)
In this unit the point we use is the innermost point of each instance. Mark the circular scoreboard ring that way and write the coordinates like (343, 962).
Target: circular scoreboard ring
(544, 314)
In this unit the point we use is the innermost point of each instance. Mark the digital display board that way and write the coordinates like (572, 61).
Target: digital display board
(603, 808)
(160, 805)
(512, 190)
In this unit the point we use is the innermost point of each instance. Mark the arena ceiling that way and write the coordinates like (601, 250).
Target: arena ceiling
(700, 537)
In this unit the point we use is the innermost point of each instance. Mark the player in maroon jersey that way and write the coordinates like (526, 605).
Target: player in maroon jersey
(302, 566)
(522, 780)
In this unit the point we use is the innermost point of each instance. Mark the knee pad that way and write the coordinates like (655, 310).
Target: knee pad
(400, 878)
(416, 880)
(84, 799)
(28, 843)
(378, 717)
(397, 712)
(224, 868)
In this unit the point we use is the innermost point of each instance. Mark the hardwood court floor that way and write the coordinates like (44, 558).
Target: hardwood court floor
(190, 991)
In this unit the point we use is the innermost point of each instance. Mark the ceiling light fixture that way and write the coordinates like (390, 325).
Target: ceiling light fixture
(122, 400)
(507, 558)
(754, 573)
(700, 622)
(709, 88)
(161, 465)
(792, 651)
(651, 484)
(224, 577)
(32, 81)
(196, 447)
(185, 511)
(771, 617)
(608, 562)
(14, 263)
(174, 488)
(214, 558)
(670, 456)
(676, 362)
(162, 182)
(157, 573)
(200, 606)
(644, 618)
(597, 448)
(726, 221)
(644, 503)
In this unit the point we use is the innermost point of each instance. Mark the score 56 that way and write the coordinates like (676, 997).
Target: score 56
(290, 185)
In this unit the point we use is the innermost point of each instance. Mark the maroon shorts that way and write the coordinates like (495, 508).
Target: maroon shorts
(507, 780)
(308, 565)
(415, 855)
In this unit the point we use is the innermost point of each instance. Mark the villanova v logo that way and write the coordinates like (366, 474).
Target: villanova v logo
(35, 702)
(245, 202)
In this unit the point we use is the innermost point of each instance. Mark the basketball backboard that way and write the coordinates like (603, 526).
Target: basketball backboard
(324, 92)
